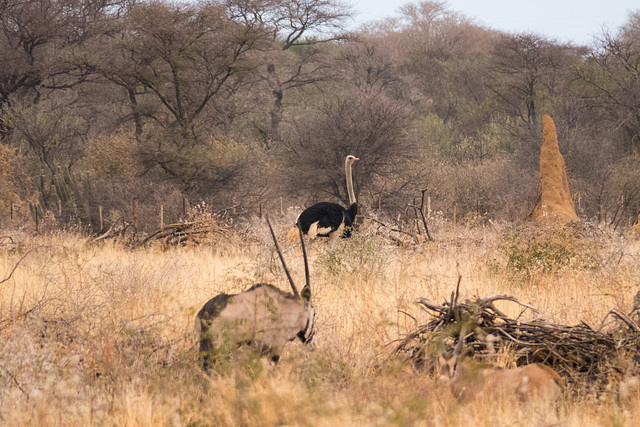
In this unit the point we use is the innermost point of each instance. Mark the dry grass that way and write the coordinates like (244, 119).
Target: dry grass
(99, 334)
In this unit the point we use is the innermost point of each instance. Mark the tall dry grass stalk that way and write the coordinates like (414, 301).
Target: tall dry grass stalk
(100, 334)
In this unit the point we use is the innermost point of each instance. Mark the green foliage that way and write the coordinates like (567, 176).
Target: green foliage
(493, 139)
(244, 359)
(72, 192)
(306, 45)
(70, 199)
(320, 370)
(191, 164)
(545, 256)
(488, 140)
(359, 254)
(226, 355)
(178, 103)
(439, 133)
(529, 254)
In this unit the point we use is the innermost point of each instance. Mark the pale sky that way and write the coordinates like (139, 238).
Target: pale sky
(565, 20)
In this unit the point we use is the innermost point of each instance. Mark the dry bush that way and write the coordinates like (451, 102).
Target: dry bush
(16, 186)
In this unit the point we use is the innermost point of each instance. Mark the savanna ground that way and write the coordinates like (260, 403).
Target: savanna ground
(99, 334)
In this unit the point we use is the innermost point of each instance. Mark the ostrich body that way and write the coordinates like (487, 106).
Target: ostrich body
(327, 219)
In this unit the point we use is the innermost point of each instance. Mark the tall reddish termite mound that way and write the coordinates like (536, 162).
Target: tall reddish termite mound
(555, 204)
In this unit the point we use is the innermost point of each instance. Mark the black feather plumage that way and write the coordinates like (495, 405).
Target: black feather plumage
(327, 215)
(327, 219)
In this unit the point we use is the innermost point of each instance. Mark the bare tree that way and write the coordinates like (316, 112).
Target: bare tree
(298, 30)
(610, 78)
(174, 63)
(444, 60)
(373, 128)
(526, 74)
(52, 130)
(36, 40)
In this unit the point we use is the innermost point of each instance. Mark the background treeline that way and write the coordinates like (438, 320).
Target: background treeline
(251, 103)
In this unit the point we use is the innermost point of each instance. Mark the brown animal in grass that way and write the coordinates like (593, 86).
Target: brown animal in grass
(471, 380)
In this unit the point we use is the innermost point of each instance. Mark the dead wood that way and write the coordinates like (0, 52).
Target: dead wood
(188, 232)
(424, 219)
(404, 238)
(579, 353)
(119, 229)
(15, 267)
(199, 229)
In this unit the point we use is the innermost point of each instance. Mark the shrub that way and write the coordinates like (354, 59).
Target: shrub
(531, 252)
(361, 254)
(16, 186)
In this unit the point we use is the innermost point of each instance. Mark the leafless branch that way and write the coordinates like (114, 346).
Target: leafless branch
(15, 267)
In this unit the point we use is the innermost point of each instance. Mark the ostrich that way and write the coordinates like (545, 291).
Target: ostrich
(327, 219)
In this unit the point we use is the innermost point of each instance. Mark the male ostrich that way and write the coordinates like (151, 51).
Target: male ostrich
(326, 219)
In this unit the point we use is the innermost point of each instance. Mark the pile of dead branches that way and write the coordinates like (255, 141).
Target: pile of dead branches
(120, 230)
(184, 233)
(202, 229)
(477, 327)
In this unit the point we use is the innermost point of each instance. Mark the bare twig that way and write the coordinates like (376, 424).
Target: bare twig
(15, 381)
(7, 237)
(16, 266)
(408, 315)
(492, 298)
(424, 220)
(431, 305)
(390, 228)
(224, 211)
(626, 319)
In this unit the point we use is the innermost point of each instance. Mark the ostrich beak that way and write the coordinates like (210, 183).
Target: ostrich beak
(356, 158)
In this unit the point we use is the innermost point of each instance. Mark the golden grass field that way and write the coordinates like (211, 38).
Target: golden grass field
(103, 335)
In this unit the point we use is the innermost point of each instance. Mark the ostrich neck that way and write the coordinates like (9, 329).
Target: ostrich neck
(347, 171)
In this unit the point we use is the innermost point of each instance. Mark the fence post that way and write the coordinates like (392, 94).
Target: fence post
(161, 217)
(184, 206)
(406, 214)
(134, 213)
(100, 215)
(579, 202)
